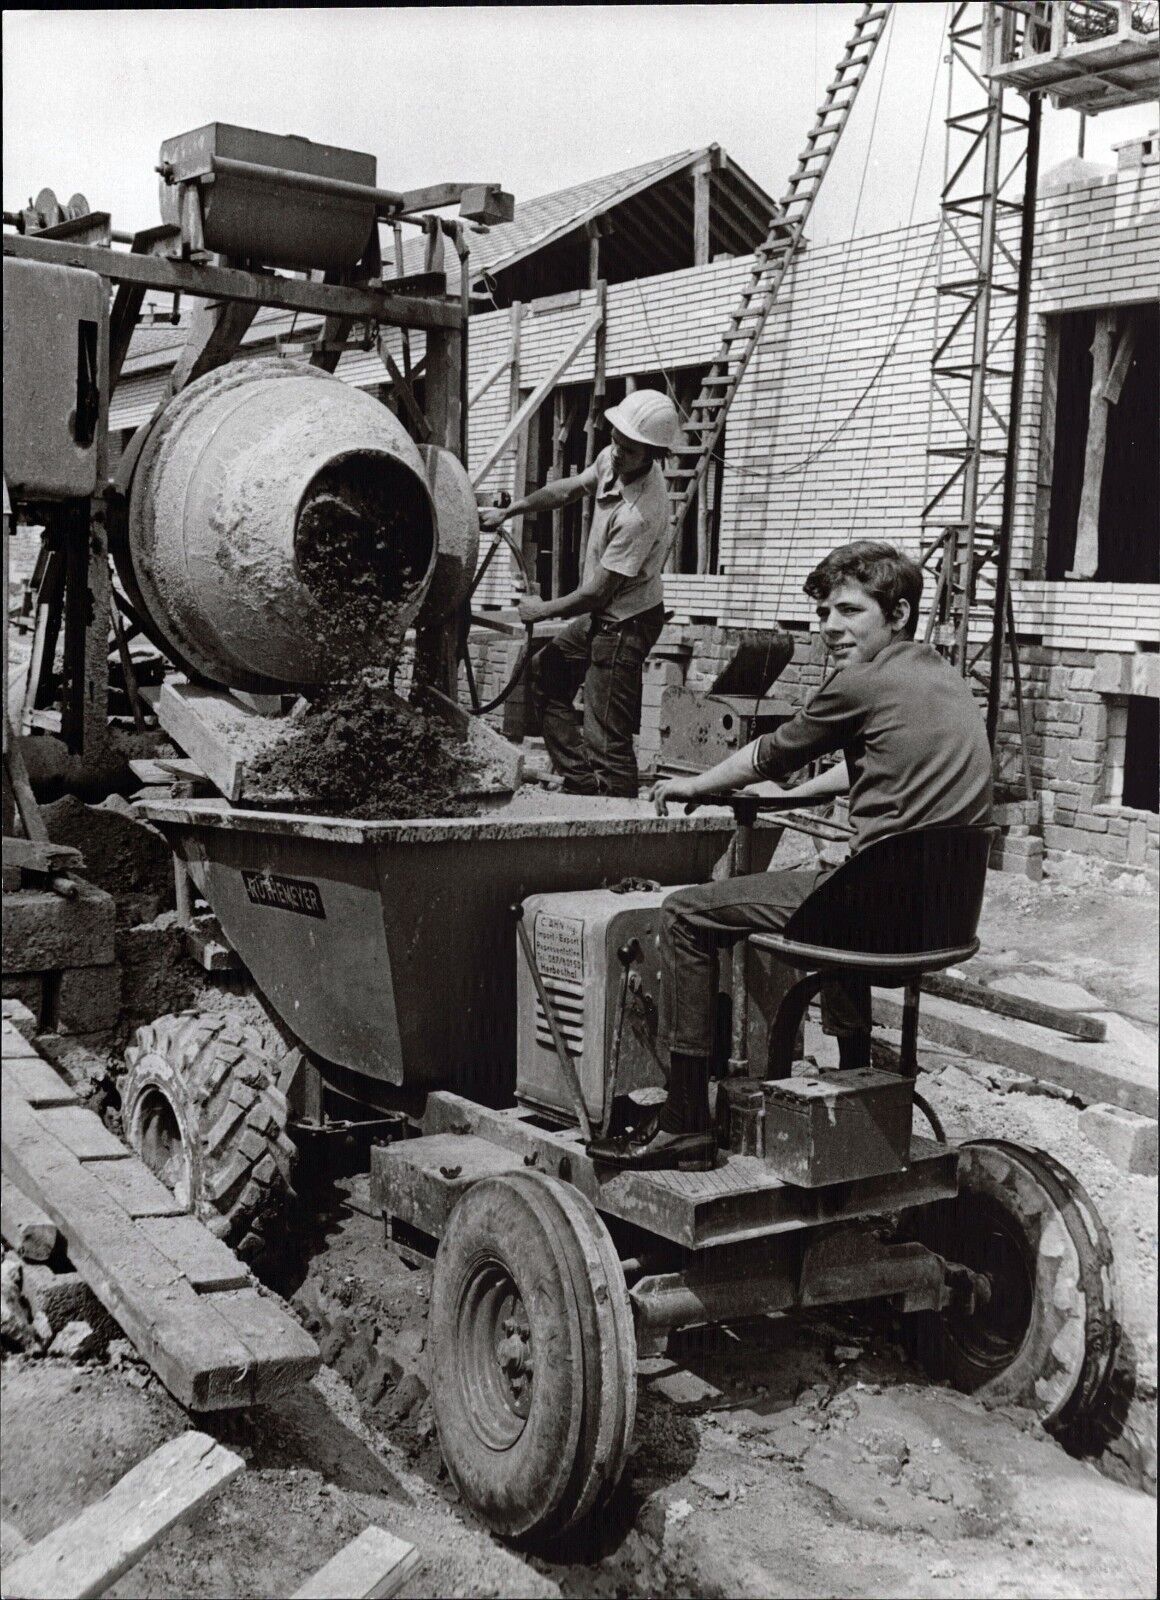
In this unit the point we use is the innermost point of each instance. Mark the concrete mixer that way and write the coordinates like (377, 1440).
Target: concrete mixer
(275, 528)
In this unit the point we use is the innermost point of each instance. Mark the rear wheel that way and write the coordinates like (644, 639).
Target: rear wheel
(1043, 1332)
(200, 1107)
(534, 1355)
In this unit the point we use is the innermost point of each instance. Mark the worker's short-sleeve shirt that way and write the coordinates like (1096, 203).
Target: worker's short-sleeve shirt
(630, 535)
(913, 738)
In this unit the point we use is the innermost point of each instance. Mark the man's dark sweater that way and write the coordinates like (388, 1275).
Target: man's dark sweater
(913, 737)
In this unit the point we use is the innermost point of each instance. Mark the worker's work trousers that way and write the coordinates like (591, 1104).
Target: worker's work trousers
(595, 754)
(697, 922)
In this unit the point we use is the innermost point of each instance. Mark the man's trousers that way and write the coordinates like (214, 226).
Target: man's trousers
(595, 755)
(695, 923)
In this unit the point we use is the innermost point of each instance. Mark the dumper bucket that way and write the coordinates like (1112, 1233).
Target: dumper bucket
(389, 948)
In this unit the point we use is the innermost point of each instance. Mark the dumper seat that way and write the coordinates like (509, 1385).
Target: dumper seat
(907, 904)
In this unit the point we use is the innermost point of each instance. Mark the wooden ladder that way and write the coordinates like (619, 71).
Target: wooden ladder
(772, 258)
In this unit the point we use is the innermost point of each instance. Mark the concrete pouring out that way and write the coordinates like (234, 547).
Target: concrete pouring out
(358, 751)
(356, 548)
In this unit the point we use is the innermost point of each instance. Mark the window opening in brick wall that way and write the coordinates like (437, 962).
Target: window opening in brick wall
(1141, 781)
(566, 412)
(1116, 496)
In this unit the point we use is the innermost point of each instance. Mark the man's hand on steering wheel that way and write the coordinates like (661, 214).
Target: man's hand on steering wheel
(532, 609)
(676, 789)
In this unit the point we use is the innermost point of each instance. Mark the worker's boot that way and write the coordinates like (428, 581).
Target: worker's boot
(684, 1133)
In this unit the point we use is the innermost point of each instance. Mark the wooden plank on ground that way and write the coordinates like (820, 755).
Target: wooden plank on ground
(138, 1192)
(373, 1564)
(88, 1554)
(205, 1260)
(210, 1352)
(24, 1226)
(15, 1046)
(1075, 1023)
(83, 1132)
(40, 1084)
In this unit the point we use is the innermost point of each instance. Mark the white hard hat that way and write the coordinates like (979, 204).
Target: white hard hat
(648, 417)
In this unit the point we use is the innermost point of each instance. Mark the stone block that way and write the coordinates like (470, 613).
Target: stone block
(1110, 673)
(1125, 1137)
(25, 989)
(89, 998)
(1092, 824)
(1109, 847)
(65, 1297)
(44, 931)
(1137, 843)
(1145, 675)
(1094, 722)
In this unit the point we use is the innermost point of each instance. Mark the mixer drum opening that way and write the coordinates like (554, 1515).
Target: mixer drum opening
(364, 538)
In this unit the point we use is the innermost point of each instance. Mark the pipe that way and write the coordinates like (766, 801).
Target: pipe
(386, 201)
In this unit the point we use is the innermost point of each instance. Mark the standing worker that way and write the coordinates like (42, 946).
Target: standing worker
(618, 610)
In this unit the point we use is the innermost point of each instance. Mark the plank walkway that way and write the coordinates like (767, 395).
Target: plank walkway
(189, 1305)
(87, 1554)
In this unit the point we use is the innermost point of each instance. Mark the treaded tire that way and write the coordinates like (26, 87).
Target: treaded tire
(201, 1109)
(1049, 1337)
(526, 1275)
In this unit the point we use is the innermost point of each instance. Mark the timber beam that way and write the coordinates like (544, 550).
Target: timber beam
(383, 304)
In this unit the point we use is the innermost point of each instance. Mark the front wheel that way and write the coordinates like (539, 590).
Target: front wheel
(533, 1355)
(1043, 1331)
(200, 1106)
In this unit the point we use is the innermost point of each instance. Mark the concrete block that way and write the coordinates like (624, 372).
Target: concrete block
(89, 998)
(1128, 1139)
(43, 931)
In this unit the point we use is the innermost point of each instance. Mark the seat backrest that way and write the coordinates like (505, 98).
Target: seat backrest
(903, 894)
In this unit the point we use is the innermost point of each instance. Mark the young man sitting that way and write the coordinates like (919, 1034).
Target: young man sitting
(916, 755)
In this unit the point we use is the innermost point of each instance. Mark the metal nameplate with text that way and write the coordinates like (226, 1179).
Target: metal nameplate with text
(560, 947)
(284, 894)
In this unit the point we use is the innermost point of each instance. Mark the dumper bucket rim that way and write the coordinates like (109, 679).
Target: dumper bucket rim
(420, 830)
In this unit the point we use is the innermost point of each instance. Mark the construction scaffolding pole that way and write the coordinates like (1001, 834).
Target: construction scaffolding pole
(982, 299)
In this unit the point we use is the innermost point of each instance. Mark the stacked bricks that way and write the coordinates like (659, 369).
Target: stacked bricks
(1069, 696)
(1019, 846)
(58, 958)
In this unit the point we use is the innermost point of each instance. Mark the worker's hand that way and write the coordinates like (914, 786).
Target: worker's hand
(673, 789)
(532, 609)
(494, 518)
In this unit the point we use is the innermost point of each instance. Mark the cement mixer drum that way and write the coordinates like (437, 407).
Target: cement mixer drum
(282, 533)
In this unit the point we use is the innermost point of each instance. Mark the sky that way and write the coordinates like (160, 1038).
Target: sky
(535, 98)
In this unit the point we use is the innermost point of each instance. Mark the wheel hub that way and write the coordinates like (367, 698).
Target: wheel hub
(159, 1141)
(498, 1368)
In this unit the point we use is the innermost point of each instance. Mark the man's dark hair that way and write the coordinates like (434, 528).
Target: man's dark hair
(883, 572)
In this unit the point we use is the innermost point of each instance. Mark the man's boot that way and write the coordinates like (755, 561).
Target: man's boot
(684, 1134)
